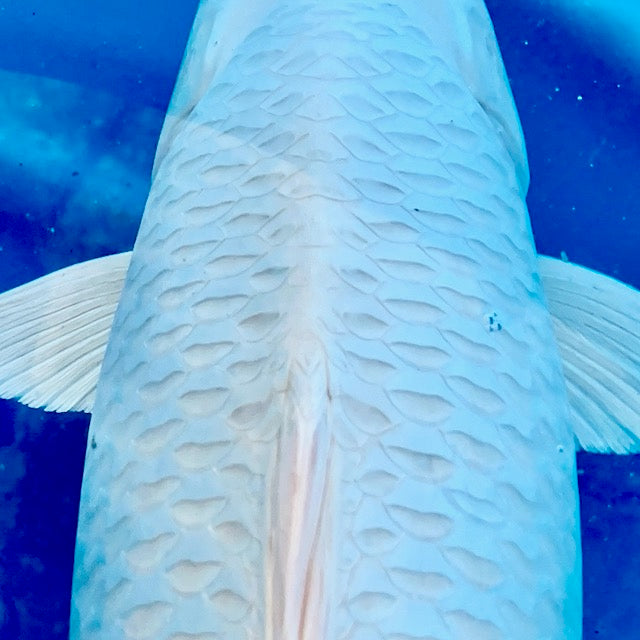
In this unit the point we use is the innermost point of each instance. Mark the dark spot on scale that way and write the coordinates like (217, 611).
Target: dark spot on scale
(492, 323)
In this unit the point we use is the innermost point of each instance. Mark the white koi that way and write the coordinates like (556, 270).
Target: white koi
(326, 397)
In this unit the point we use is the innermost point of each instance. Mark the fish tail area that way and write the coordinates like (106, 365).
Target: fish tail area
(300, 510)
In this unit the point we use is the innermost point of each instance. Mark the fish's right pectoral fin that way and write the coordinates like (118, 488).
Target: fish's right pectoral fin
(54, 332)
(596, 321)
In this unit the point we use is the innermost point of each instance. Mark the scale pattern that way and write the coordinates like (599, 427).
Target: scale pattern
(336, 231)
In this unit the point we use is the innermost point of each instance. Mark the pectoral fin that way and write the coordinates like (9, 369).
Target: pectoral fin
(54, 332)
(597, 327)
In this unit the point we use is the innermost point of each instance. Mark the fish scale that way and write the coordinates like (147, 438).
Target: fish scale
(333, 274)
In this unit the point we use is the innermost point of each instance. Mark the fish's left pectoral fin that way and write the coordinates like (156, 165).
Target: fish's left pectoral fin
(54, 332)
(596, 321)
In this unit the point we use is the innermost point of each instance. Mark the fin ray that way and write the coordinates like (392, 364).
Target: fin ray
(54, 332)
(597, 325)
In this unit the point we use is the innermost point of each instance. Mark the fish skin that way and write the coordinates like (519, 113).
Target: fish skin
(331, 404)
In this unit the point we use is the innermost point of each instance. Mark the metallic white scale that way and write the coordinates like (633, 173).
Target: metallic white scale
(331, 404)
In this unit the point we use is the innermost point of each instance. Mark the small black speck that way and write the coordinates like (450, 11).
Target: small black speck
(75, 173)
(93, 442)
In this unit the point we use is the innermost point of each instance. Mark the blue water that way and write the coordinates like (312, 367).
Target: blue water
(83, 91)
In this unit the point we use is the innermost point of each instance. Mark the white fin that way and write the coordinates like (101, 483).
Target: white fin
(54, 332)
(301, 548)
(597, 326)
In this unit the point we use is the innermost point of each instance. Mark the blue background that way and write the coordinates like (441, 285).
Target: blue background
(83, 91)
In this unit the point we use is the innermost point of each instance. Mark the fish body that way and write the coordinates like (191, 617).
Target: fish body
(331, 404)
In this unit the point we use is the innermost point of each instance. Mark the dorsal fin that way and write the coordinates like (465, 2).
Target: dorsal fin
(302, 503)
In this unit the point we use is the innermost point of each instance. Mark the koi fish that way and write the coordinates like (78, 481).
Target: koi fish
(335, 393)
